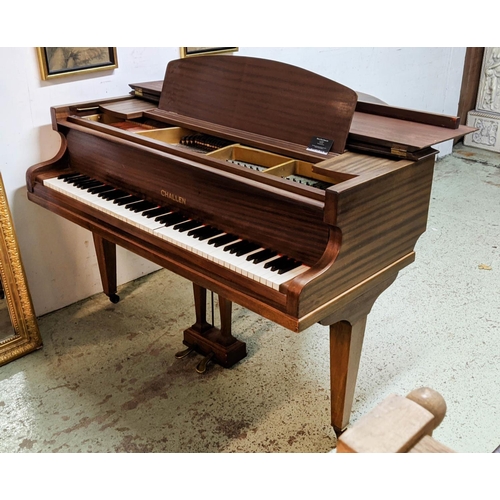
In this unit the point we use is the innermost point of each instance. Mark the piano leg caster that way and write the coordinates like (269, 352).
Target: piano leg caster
(114, 298)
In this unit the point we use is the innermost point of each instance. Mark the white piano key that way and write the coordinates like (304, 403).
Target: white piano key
(238, 264)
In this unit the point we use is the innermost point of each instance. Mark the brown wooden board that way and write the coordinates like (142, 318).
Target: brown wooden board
(383, 109)
(147, 90)
(128, 109)
(393, 131)
(260, 96)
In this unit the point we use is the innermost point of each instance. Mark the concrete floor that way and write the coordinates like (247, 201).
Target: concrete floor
(106, 379)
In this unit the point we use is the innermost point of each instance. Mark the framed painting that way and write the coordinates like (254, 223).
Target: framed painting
(64, 61)
(19, 333)
(202, 51)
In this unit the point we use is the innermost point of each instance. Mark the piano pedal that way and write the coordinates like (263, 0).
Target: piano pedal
(182, 354)
(201, 367)
(114, 298)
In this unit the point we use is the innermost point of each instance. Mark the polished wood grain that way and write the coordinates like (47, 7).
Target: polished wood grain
(261, 97)
(355, 235)
(216, 197)
(382, 109)
(206, 339)
(127, 109)
(106, 259)
(413, 135)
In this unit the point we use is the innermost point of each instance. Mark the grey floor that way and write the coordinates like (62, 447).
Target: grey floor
(106, 379)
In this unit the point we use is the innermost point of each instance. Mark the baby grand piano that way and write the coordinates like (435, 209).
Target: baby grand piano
(264, 183)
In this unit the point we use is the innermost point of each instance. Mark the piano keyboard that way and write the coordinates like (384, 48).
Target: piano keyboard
(244, 257)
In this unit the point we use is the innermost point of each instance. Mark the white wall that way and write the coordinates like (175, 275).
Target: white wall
(427, 79)
(58, 256)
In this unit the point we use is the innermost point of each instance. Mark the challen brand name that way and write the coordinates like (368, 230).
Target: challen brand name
(172, 196)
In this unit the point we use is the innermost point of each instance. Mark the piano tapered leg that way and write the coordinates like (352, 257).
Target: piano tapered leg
(106, 258)
(216, 344)
(347, 330)
(346, 341)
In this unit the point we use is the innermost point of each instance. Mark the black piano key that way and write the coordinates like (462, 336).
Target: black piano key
(81, 184)
(156, 212)
(199, 231)
(292, 264)
(210, 234)
(187, 225)
(274, 264)
(261, 256)
(284, 264)
(278, 265)
(250, 247)
(88, 184)
(241, 247)
(69, 175)
(218, 241)
(100, 189)
(140, 206)
(205, 232)
(112, 195)
(171, 219)
(78, 178)
(232, 247)
(126, 199)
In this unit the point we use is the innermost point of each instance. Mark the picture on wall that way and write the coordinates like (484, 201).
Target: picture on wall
(63, 61)
(201, 51)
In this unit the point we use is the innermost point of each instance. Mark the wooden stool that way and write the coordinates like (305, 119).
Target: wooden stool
(398, 425)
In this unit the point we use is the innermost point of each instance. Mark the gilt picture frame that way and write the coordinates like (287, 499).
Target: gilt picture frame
(23, 336)
(56, 62)
(203, 51)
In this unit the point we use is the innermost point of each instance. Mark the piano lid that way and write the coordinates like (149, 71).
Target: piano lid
(380, 124)
(147, 90)
(258, 97)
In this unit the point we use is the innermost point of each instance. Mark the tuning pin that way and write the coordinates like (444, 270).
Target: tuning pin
(184, 353)
(201, 367)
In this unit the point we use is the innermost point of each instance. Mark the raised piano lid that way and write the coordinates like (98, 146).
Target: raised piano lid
(147, 90)
(269, 103)
(379, 127)
(258, 101)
